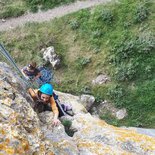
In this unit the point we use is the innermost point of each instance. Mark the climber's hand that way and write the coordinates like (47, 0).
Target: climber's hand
(56, 122)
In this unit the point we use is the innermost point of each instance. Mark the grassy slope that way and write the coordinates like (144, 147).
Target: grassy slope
(19, 7)
(12, 9)
(116, 39)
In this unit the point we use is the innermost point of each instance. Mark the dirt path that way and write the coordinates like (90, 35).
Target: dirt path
(48, 15)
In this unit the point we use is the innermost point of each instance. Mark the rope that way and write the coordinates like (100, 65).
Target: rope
(6, 54)
(3, 78)
(58, 102)
(8, 57)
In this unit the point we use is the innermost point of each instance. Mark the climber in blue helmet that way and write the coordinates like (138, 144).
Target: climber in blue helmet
(44, 96)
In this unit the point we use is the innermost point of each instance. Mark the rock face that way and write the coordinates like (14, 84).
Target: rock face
(62, 143)
(120, 114)
(105, 107)
(49, 55)
(87, 101)
(24, 132)
(19, 124)
(73, 100)
(96, 137)
(101, 79)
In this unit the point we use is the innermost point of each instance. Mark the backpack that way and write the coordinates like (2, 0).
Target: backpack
(46, 75)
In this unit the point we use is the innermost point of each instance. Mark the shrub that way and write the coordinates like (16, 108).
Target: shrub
(34, 8)
(107, 16)
(98, 99)
(108, 117)
(133, 47)
(148, 70)
(141, 13)
(82, 62)
(67, 124)
(46, 4)
(146, 42)
(85, 89)
(97, 34)
(74, 24)
(124, 49)
(116, 93)
(126, 72)
(97, 49)
(12, 12)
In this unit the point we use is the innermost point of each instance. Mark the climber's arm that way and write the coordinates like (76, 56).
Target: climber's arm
(37, 76)
(33, 93)
(55, 111)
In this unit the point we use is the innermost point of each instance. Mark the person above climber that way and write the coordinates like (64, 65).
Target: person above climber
(31, 72)
(43, 97)
(40, 75)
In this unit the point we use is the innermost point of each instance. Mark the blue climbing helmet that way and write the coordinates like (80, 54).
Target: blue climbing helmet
(46, 89)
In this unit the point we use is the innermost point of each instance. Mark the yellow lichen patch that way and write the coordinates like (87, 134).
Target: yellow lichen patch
(86, 130)
(147, 146)
(25, 145)
(101, 123)
(146, 142)
(19, 151)
(63, 143)
(50, 153)
(2, 131)
(7, 140)
(7, 101)
(10, 151)
(95, 148)
(5, 143)
(87, 144)
(83, 121)
(136, 137)
(2, 146)
(126, 153)
(102, 149)
(13, 118)
(42, 148)
(15, 134)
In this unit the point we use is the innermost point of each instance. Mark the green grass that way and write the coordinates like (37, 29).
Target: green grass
(9, 8)
(12, 9)
(116, 39)
(46, 4)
